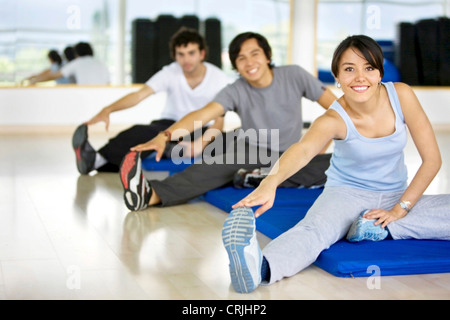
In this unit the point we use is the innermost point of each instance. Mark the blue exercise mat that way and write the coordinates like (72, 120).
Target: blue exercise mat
(343, 259)
(289, 208)
(389, 257)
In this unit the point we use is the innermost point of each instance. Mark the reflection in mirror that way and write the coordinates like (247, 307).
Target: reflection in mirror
(30, 29)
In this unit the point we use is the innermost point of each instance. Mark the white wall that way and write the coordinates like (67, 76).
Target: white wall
(69, 105)
(47, 108)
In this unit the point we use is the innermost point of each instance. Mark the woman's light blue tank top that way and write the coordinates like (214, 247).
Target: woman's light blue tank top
(375, 164)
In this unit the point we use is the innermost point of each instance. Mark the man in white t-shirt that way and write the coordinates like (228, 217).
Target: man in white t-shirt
(190, 83)
(85, 69)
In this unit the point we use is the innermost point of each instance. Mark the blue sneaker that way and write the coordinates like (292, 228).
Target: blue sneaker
(364, 229)
(239, 239)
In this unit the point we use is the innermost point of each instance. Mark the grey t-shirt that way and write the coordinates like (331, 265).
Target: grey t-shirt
(277, 106)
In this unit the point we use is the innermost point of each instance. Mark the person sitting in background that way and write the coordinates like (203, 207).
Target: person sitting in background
(86, 69)
(56, 64)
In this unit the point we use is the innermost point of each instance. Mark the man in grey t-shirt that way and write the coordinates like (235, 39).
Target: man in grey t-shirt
(277, 106)
(268, 101)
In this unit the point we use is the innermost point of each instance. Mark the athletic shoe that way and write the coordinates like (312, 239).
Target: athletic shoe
(239, 239)
(137, 191)
(85, 154)
(249, 178)
(364, 229)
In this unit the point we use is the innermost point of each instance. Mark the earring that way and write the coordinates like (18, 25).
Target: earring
(338, 85)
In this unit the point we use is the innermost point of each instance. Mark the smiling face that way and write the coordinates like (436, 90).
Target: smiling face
(358, 78)
(253, 65)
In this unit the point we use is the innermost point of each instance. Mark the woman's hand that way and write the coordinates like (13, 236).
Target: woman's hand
(384, 217)
(264, 195)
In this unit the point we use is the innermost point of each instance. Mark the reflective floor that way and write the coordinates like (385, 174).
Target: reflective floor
(66, 236)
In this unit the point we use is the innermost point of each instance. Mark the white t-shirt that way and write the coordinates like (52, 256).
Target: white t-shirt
(181, 98)
(86, 70)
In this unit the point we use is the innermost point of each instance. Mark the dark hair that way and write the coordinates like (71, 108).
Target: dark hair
(183, 37)
(83, 49)
(235, 46)
(55, 57)
(69, 53)
(369, 48)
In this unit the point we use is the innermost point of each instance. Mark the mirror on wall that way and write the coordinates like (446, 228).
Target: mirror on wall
(29, 29)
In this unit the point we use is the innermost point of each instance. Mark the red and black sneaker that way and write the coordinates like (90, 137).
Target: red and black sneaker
(85, 154)
(137, 191)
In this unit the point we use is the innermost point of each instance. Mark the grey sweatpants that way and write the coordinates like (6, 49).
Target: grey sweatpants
(331, 216)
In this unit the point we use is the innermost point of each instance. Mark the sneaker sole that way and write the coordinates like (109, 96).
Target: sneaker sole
(237, 232)
(132, 180)
(79, 139)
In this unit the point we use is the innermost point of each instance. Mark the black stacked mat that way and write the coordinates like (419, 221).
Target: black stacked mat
(423, 52)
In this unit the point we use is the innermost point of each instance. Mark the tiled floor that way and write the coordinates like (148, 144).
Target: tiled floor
(66, 236)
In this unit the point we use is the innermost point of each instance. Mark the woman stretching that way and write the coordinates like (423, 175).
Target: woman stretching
(366, 196)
